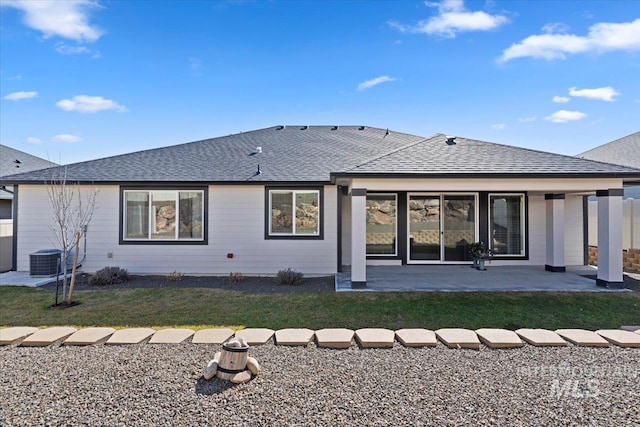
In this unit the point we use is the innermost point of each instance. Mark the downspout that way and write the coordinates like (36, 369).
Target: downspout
(339, 239)
(14, 238)
(585, 230)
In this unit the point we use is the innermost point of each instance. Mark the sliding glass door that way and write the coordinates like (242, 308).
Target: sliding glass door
(458, 226)
(441, 226)
(424, 228)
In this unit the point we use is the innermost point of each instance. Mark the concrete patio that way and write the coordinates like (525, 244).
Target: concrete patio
(464, 278)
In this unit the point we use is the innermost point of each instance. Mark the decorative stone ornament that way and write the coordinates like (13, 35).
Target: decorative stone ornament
(233, 363)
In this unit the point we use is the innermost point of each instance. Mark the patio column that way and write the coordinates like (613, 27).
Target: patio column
(358, 237)
(610, 238)
(555, 233)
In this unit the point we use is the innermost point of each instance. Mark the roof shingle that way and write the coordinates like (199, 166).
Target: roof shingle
(313, 153)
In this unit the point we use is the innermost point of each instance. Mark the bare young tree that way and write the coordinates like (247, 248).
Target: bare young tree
(72, 210)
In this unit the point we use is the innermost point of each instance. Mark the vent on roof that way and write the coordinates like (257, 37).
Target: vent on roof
(334, 128)
(451, 140)
(304, 128)
(280, 127)
(361, 128)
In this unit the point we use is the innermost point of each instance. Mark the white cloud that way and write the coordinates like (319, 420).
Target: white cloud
(602, 37)
(19, 96)
(34, 141)
(564, 116)
(527, 119)
(499, 126)
(66, 138)
(602, 93)
(560, 99)
(65, 49)
(453, 18)
(555, 27)
(89, 104)
(374, 82)
(67, 19)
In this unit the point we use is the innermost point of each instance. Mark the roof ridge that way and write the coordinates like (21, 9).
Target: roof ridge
(404, 147)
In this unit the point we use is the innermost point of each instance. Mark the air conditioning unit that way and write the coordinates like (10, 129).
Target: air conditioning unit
(44, 263)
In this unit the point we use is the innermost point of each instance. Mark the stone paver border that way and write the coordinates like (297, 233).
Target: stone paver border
(499, 338)
(417, 337)
(583, 338)
(334, 337)
(375, 337)
(458, 338)
(89, 336)
(15, 335)
(212, 336)
(620, 338)
(541, 337)
(338, 338)
(130, 336)
(255, 336)
(170, 336)
(48, 336)
(294, 336)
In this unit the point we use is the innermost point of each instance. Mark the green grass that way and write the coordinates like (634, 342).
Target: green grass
(200, 308)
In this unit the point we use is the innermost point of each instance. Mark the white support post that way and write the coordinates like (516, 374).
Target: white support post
(358, 237)
(555, 233)
(610, 238)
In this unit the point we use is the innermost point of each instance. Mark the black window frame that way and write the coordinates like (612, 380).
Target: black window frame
(177, 188)
(267, 213)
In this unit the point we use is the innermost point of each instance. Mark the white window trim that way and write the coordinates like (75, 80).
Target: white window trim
(294, 192)
(523, 235)
(152, 218)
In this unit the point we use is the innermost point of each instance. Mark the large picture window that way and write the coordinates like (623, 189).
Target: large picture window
(506, 224)
(381, 224)
(163, 215)
(294, 213)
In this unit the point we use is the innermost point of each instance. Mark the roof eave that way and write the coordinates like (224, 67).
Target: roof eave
(623, 175)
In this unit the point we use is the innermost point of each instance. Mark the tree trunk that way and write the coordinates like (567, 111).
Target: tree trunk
(72, 284)
(63, 269)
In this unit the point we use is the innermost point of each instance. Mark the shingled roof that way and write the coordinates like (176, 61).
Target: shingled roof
(14, 161)
(314, 153)
(443, 155)
(624, 151)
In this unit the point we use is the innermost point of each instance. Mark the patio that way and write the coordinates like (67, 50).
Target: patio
(464, 278)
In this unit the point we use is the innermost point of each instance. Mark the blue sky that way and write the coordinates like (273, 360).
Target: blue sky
(87, 79)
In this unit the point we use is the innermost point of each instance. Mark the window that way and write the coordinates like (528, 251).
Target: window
(163, 215)
(294, 213)
(506, 224)
(381, 224)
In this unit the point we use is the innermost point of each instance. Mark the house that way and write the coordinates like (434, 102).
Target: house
(317, 198)
(12, 161)
(626, 152)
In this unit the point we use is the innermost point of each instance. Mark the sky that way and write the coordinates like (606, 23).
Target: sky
(85, 79)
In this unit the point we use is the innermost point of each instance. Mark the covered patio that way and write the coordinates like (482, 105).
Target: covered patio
(464, 278)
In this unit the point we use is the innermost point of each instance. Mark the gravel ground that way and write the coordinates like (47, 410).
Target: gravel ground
(160, 385)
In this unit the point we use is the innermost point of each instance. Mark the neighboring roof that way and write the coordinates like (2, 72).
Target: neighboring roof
(315, 153)
(624, 151)
(14, 161)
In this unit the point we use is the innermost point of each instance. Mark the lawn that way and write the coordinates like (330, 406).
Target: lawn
(200, 308)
